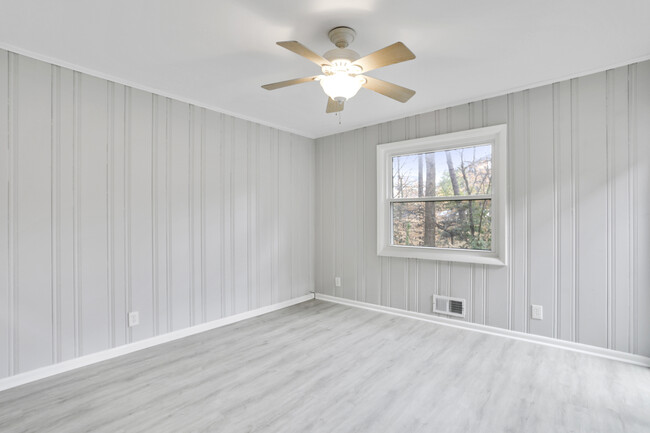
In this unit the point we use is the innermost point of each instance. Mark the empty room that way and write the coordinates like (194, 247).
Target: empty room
(324, 216)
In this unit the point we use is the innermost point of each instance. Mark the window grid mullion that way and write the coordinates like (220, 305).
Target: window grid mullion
(445, 198)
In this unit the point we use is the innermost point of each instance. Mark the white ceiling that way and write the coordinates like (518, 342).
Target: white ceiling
(218, 53)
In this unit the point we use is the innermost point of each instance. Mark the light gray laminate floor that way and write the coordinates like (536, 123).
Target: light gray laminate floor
(324, 367)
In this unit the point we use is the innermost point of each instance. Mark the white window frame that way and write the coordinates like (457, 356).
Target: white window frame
(494, 135)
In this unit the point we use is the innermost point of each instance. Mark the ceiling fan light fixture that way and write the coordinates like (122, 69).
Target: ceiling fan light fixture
(341, 86)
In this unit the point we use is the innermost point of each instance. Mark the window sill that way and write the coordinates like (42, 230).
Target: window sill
(447, 255)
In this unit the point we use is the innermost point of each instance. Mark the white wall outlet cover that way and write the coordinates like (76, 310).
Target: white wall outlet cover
(536, 312)
(134, 318)
(337, 281)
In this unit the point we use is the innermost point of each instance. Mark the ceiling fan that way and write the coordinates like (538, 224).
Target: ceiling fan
(342, 69)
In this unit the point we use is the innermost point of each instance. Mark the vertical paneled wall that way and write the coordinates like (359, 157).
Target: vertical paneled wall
(115, 200)
(579, 206)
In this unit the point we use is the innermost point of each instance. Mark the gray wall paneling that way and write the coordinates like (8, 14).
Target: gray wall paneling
(590, 134)
(579, 184)
(640, 129)
(565, 211)
(6, 161)
(115, 200)
(31, 242)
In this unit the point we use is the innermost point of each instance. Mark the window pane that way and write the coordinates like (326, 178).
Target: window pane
(407, 176)
(455, 172)
(463, 224)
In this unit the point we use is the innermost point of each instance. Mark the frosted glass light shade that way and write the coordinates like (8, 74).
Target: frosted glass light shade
(341, 86)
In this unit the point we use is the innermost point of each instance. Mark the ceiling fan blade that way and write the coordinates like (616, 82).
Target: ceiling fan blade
(281, 84)
(398, 93)
(390, 55)
(302, 50)
(333, 106)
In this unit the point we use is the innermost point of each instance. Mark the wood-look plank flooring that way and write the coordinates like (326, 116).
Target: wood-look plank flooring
(324, 367)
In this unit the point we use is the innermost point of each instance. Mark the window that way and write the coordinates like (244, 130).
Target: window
(443, 197)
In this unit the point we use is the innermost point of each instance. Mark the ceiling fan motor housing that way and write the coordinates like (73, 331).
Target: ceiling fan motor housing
(342, 37)
(342, 54)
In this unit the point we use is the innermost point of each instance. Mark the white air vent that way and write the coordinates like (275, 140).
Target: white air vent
(449, 306)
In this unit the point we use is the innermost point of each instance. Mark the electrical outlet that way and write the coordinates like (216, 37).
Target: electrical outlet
(134, 319)
(536, 312)
(337, 281)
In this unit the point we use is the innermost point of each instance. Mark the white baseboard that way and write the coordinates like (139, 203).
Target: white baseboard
(538, 339)
(52, 370)
(82, 361)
